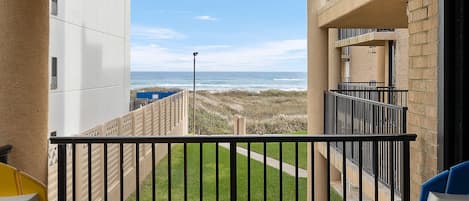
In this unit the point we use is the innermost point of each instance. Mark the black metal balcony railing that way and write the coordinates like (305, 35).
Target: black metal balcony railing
(359, 85)
(380, 94)
(375, 91)
(65, 143)
(358, 116)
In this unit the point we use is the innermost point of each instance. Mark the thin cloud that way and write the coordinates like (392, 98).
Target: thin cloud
(206, 18)
(155, 33)
(211, 47)
(269, 56)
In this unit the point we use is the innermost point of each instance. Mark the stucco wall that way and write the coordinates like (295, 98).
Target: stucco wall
(363, 64)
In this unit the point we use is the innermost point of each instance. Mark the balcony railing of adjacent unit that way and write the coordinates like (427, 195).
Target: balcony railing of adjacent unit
(358, 116)
(359, 85)
(388, 95)
(67, 177)
(349, 33)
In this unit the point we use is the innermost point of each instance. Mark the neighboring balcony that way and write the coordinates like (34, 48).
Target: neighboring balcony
(374, 91)
(364, 37)
(363, 14)
(368, 109)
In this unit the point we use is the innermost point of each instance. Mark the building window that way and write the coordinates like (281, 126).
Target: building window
(53, 80)
(53, 6)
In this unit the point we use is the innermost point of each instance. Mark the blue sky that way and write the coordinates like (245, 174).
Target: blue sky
(242, 35)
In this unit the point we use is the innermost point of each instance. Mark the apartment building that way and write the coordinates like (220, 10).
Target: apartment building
(89, 63)
(414, 45)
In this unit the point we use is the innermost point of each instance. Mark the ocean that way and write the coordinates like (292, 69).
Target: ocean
(220, 81)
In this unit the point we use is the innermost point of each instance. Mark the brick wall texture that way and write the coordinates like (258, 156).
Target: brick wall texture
(423, 92)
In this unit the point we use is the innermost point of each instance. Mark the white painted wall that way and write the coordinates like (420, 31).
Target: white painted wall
(90, 38)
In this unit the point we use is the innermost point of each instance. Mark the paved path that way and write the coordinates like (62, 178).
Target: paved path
(287, 168)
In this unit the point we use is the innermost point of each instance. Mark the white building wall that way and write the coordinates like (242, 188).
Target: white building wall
(90, 39)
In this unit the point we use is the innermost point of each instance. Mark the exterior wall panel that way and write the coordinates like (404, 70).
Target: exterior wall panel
(90, 39)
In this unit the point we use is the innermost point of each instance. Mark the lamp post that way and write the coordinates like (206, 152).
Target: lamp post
(193, 93)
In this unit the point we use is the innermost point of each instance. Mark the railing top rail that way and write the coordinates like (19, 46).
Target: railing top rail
(232, 138)
(378, 89)
(362, 82)
(366, 100)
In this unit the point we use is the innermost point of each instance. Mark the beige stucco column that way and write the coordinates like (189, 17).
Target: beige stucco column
(334, 66)
(24, 46)
(317, 83)
(380, 58)
(334, 74)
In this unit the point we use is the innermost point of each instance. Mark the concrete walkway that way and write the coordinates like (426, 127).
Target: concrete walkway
(287, 168)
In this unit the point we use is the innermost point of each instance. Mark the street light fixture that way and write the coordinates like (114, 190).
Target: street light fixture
(193, 92)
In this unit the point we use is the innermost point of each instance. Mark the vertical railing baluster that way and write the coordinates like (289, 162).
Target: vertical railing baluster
(121, 171)
(373, 119)
(344, 171)
(153, 172)
(233, 176)
(265, 171)
(74, 174)
(391, 169)
(312, 171)
(185, 171)
(249, 171)
(62, 172)
(296, 172)
(281, 171)
(105, 171)
(328, 166)
(137, 171)
(217, 171)
(375, 168)
(90, 175)
(353, 128)
(360, 171)
(201, 171)
(404, 120)
(406, 171)
(169, 172)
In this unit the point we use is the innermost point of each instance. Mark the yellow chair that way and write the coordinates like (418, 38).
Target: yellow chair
(14, 182)
(29, 185)
(8, 181)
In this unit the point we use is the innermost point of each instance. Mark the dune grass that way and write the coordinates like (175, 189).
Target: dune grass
(209, 192)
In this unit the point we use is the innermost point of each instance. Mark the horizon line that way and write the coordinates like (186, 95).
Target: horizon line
(203, 71)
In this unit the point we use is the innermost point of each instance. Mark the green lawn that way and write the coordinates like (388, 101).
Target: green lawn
(209, 178)
(288, 150)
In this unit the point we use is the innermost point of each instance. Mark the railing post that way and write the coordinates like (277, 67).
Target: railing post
(336, 114)
(233, 175)
(406, 171)
(404, 120)
(62, 172)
